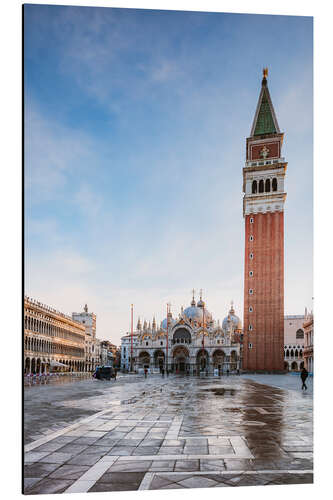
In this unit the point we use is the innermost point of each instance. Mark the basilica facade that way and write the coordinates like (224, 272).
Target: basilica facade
(192, 343)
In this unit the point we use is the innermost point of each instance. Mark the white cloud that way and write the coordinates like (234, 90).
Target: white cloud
(52, 153)
(88, 201)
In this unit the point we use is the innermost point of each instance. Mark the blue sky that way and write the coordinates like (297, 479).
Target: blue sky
(136, 123)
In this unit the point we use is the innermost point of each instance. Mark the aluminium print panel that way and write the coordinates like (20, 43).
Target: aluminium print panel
(166, 150)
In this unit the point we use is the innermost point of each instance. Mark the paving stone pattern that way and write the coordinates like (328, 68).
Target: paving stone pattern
(168, 433)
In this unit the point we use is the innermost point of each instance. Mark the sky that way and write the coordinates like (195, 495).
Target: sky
(135, 130)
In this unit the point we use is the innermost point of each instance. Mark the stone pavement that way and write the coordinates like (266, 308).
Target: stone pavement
(176, 432)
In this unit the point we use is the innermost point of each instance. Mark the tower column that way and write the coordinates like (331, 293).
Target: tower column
(263, 211)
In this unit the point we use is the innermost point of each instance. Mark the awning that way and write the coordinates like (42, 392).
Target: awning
(56, 363)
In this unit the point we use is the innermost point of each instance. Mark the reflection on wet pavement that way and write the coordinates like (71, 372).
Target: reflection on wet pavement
(175, 432)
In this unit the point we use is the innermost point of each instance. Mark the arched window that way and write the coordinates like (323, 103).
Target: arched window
(296, 353)
(274, 184)
(267, 186)
(181, 335)
(292, 353)
(261, 186)
(287, 353)
(254, 187)
(300, 334)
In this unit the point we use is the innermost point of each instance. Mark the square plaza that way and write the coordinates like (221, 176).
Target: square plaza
(167, 432)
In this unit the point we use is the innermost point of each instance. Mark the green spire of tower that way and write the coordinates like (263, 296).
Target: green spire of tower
(265, 120)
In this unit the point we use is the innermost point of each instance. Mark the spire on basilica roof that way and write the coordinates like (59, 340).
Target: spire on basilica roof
(138, 326)
(200, 302)
(193, 299)
(265, 121)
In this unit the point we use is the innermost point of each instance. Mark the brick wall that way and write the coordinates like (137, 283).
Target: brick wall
(267, 318)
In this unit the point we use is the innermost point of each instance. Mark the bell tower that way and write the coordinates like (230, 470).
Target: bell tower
(263, 211)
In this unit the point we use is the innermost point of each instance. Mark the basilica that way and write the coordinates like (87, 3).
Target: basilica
(192, 343)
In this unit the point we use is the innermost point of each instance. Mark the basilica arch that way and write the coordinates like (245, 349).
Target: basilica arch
(159, 359)
(144, 359)
(233, 360)
(218, 360)
(181, 335)
(181, 359)
(202, 360)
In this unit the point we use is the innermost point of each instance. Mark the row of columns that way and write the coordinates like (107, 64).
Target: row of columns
(293, 365)
(43, 327)
(47, 347)
(39, 366)
(197, 362)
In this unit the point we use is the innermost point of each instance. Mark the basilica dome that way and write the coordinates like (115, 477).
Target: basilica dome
(237, 324)
(195, 313)
(164, 323)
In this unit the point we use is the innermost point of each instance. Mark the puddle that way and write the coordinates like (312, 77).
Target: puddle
(221, 391)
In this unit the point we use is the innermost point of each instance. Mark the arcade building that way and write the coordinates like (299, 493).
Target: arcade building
(191, 344)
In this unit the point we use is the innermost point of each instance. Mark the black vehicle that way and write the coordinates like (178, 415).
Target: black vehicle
(105, 372)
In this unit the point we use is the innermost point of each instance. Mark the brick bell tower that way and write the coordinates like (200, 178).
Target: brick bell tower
(263, 211)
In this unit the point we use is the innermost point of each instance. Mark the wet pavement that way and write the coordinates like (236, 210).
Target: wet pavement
(167, 433)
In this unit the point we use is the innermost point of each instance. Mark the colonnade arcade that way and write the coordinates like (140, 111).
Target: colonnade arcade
(41, 345)
(53, 341)
(42, 365)
(182, 359)
(294, 366)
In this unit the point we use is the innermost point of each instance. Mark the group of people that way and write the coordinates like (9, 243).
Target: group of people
(162, 372)
(304, 375)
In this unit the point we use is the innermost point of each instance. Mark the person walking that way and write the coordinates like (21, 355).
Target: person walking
(146, 371)
(304, 376)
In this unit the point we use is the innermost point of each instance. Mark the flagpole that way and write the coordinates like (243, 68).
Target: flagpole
(131, 337)
(203, 331)
(167, 338)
